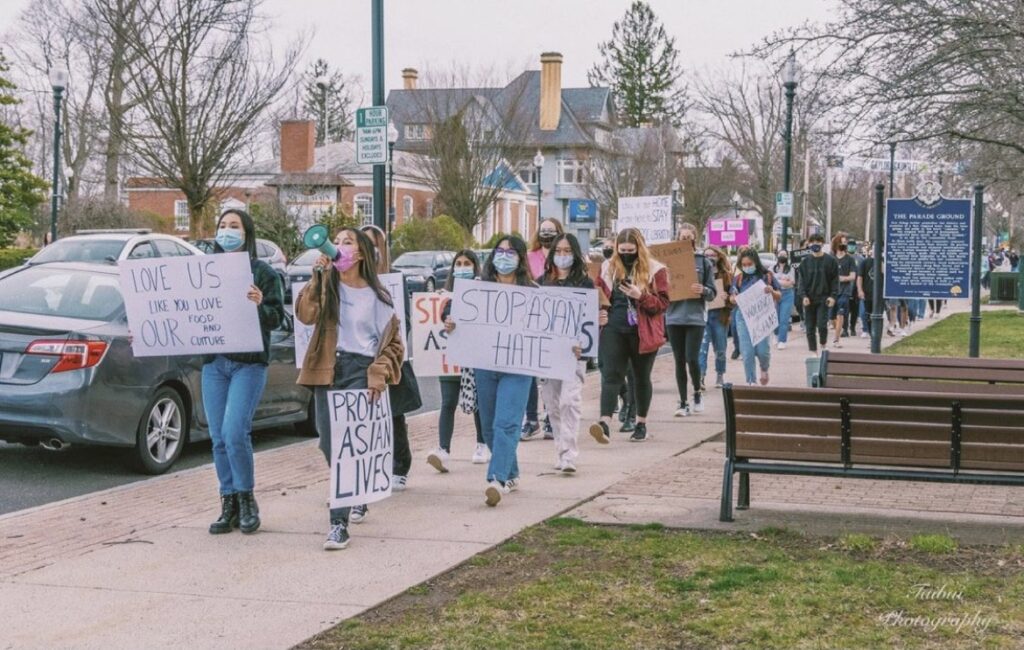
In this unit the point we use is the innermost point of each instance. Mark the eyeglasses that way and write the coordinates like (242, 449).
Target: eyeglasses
(505, 252)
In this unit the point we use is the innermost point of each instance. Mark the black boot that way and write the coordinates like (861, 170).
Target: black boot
(228, 515)
(248, 513)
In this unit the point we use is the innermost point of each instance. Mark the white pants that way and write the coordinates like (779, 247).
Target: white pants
(563, 399)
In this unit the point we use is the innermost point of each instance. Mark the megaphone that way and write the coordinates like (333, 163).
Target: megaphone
(318, 237)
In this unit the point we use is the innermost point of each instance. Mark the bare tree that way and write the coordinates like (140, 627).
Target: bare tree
(202, 86)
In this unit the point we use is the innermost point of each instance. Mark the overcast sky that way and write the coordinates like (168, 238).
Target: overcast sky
(509, 36)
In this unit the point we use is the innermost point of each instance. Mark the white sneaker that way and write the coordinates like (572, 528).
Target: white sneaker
(512, 484)
(493, 493)
(481, 455)
(558, 465)
(437, 460)
(568, 467)
(698, 406)
(358, 514)
(683, 411)
(863, 335)
(781, 346)
(398, 483)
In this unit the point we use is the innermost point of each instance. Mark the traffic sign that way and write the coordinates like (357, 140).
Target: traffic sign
(783, 204)
(372, 135)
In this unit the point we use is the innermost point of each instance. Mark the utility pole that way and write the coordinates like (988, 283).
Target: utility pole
(377, 27)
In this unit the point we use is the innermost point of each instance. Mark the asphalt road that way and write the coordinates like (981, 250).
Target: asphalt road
(33, 476)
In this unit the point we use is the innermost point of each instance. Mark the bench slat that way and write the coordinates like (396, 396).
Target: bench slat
(921, 386)
(953, 373)
(908, 360)
(981, 456)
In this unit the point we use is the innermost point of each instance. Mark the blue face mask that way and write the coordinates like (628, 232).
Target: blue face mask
(749, 270)
(229, 239)
(463, 273)
(506, 264)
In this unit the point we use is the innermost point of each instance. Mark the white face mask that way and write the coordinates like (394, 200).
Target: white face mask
(563, 261)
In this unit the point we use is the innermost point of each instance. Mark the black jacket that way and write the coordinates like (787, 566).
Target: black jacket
(819, 278)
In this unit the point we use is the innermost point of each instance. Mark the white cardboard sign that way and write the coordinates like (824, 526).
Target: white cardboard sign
(429, 338)
(759, 312)
(651, 215)
(362, 447)
(190, 305)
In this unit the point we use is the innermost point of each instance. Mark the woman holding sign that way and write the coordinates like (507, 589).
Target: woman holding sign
(751, 273)
(501, 396)
(234, 383)
(634, 296)
(716, 334)
(566, 267)
(356, 341)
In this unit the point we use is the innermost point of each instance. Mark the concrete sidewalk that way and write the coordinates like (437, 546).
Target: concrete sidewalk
(134, 566)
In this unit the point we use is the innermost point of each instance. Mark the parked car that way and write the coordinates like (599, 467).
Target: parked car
(300, 270)
(266, 251)
(112, 246)
(68, 375)
(424, 270)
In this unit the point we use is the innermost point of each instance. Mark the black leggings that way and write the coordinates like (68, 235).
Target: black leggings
(618, 351)
(816, 315)
(936, 305)
(686, 340)
(450, 388)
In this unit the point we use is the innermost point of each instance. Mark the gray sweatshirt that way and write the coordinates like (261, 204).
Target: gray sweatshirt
(692, 312)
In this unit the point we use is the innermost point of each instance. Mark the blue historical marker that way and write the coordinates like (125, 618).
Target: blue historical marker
(582, 211)
(928, 246)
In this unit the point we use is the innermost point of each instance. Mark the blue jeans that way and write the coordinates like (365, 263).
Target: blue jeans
(231, 393)
(865, 316)
(920, 305)
(785, 313)
(715, 334)
(501, 398)
(762, 351)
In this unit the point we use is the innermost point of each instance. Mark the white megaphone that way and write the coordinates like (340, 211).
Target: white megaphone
(318, 237)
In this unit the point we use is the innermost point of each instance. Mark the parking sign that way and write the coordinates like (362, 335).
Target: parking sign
(372, 135)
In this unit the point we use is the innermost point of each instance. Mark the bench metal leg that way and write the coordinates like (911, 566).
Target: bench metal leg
(726, 511)
(743, 498)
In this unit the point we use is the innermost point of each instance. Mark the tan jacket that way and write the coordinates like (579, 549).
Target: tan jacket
(318, 364)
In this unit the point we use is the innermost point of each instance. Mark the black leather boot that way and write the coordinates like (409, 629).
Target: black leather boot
(248, 513)
(228, 515)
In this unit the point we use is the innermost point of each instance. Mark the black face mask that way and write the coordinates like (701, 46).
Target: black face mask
(607, 253)
(629, 259)
(546, 238)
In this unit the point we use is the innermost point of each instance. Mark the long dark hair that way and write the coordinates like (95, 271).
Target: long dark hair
(751, 254)
(785, 267)
(367, 271)
(522, 272)
(578, 270)
(469, 255)
(248, 227)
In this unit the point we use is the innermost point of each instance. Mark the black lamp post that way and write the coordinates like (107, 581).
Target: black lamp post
(391, 210)
(538, 162)
(789, 82)
(58, 81)
(736, 205)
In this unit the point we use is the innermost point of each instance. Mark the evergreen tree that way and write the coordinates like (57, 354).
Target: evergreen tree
(20, 189)
(330, 105)
(641, 65)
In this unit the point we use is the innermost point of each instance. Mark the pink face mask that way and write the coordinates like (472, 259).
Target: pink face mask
(345, 260)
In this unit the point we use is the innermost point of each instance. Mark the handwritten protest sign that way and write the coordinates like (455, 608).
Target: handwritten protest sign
(681, 261)
(429, 338)
(728, 232)
(521, 330)
(190, 305)
(362, 447)
(651, 215)
(759, 312)
(391, 281)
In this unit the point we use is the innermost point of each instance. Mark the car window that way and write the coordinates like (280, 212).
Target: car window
(67, 293)
(141, 251)
(419, 258)
(168, 248)
(262, 250)
(80, 250)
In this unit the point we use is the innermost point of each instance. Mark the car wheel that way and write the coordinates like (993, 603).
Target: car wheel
(430, 284)
(161, 434)
(308, 426)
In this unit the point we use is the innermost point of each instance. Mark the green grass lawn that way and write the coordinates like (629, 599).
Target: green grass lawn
(568, 584)
(1002, 337)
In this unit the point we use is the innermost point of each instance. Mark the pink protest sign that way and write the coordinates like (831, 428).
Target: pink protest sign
(728, 232)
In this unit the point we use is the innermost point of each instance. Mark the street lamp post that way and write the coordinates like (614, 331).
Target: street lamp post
(736, 198)
(538, 162)
(789, 82)
(58, 81)
(392, 139)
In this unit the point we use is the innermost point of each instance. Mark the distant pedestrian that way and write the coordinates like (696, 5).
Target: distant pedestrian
(751, 272)
(356, 341)
(540, 248)
(819, 285)
(502, 396)
(716, 333)
(634, 287)
(232, 384)
(465, 266)
(685, 321)
(566, 267)
(785, 274)
(847, 275)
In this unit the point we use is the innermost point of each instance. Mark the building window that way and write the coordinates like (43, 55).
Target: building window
(417, 132)
(364, 207)
(181, 220)
(430, 208)
(528, 174)
(570, 172)
(407, 206)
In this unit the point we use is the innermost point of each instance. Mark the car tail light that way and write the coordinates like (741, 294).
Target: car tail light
(73, 355)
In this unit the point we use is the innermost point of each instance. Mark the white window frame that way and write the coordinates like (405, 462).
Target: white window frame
(182, 222)
(417, 132)
(408, 206)
(366, 215)
(573, 170)
(528, 174)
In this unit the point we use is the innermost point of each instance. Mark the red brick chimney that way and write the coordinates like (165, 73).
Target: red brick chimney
(298, 141)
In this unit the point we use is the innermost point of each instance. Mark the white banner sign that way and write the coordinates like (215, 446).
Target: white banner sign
(362, 447)
(519, 330)
(190, 305)
(429, 339)
(759, 312)
(651, 215)
(391, 281)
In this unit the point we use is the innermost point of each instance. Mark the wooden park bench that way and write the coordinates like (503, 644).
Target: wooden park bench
(843, 370)
(856, 433)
